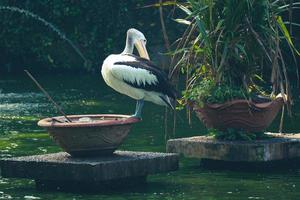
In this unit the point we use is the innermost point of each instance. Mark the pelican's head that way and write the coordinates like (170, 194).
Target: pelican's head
(138, 39)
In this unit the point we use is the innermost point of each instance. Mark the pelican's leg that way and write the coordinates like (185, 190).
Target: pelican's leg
(138, 108)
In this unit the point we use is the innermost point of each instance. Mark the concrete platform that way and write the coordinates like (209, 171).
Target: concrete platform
(61, 171)
(280, 147)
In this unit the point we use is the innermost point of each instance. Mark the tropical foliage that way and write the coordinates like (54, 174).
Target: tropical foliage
(235, 46)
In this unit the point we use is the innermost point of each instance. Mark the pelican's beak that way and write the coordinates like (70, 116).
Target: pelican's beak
(141, 47)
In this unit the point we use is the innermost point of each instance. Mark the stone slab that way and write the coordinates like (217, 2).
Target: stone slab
(280, 147)
(59, 168)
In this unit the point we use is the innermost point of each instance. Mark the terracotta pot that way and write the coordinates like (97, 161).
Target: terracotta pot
(95, 135)
(239, 114)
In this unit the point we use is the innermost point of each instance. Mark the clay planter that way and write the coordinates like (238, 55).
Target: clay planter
(239, 114)
(89, 135)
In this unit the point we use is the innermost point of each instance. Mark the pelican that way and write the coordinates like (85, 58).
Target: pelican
(137, 77)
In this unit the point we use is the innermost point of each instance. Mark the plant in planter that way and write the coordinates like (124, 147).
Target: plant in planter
(233, 55)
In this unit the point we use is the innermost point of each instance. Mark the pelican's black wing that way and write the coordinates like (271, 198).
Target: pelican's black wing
(162, 85)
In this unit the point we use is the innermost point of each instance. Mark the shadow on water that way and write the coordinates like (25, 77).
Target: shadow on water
(140, 185)
(259, 167)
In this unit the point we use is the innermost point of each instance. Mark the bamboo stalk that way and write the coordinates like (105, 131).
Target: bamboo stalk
(47, 95)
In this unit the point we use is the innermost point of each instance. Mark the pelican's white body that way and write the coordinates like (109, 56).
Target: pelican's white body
(114, 76)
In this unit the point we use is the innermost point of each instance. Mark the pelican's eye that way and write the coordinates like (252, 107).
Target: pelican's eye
(145, 41)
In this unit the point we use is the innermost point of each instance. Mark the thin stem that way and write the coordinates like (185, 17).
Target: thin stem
(47, 95)
(281, 120)
(163, 27)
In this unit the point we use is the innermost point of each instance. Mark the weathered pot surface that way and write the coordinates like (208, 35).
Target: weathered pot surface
(89, 135)
(239, 114)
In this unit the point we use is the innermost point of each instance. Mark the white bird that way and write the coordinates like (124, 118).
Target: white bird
(137, 77)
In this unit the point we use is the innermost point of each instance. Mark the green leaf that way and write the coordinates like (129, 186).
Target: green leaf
(182, 21)
(201, 27)
(184, 9)
(259, 77)
(166, 3)
(286, 34)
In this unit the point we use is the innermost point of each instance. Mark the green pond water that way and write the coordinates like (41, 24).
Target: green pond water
(22, 105)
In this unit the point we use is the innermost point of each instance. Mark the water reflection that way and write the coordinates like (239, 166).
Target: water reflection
(22, 105)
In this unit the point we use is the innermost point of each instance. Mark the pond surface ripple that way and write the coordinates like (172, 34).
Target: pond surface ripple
(22, 105)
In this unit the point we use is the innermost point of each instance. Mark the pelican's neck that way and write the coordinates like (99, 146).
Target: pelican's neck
(129, 45)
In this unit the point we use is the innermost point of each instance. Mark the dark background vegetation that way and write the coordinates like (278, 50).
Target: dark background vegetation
(97, 27)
